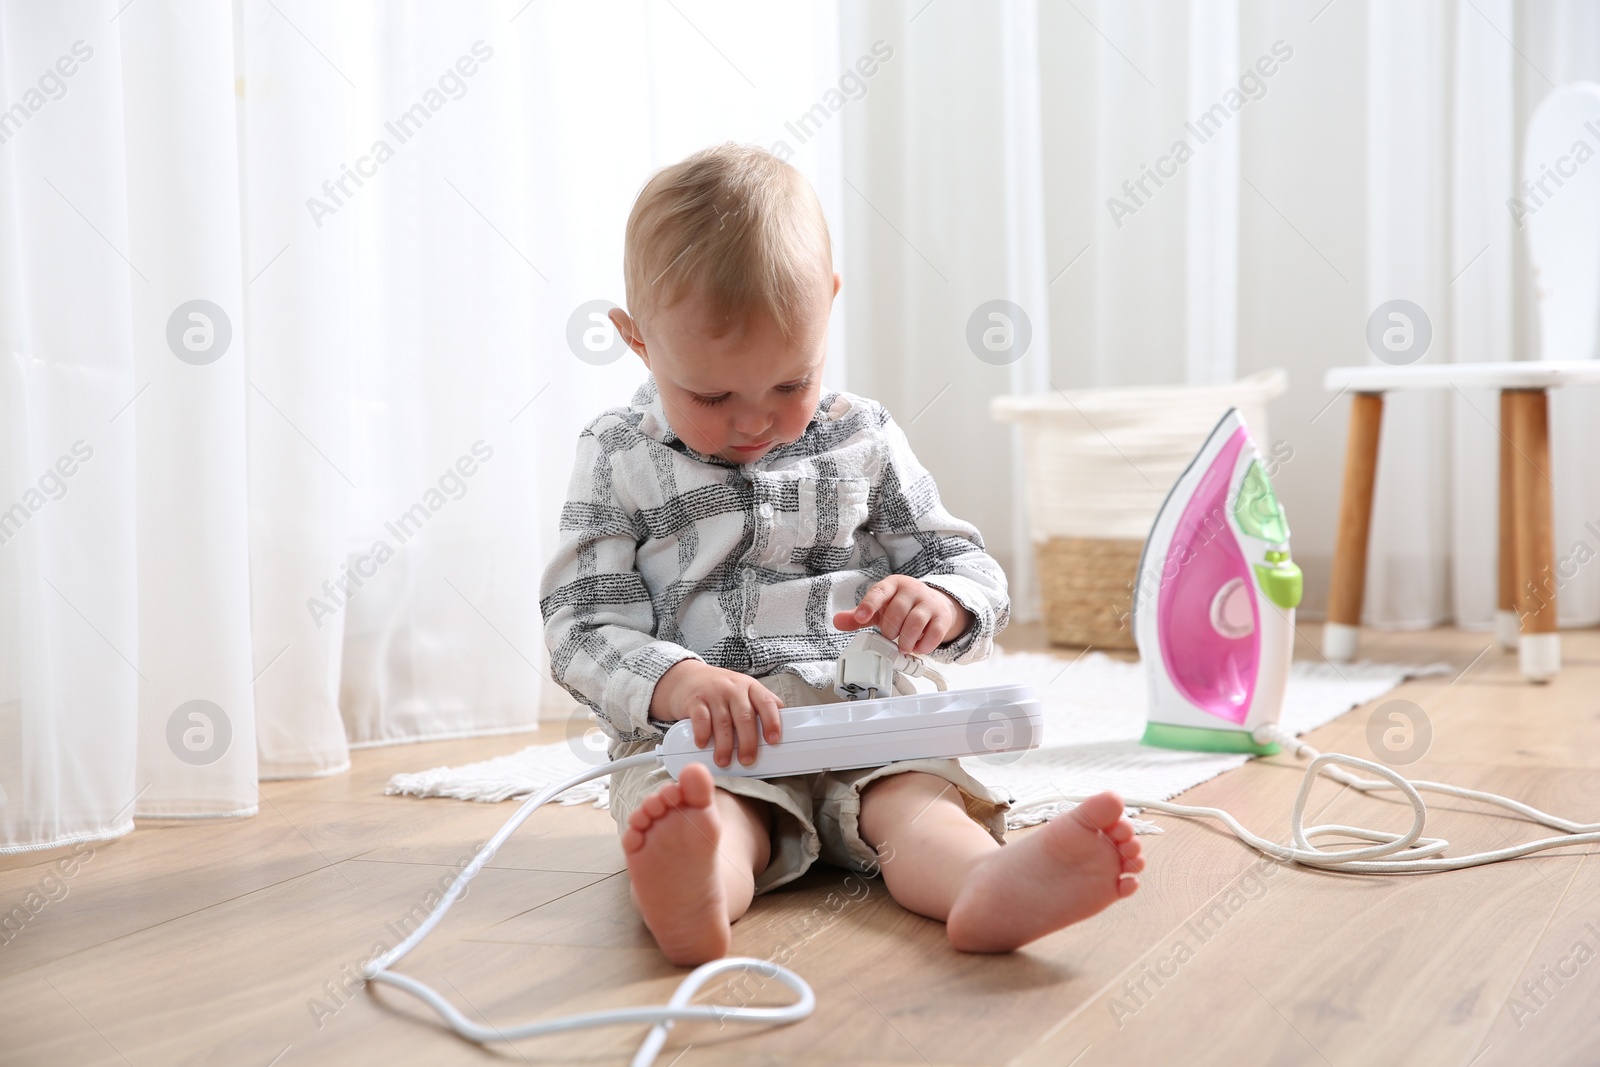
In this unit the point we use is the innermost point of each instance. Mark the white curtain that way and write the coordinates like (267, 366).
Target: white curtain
(287, 402)
(1355, 153)
(1445, 137)
(287, 289)
(983, 165)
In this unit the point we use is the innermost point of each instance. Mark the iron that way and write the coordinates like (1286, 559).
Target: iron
(1213, 604)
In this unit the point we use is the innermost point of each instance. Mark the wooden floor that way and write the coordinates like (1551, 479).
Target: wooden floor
(237, 942)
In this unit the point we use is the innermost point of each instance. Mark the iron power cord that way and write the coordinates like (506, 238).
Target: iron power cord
(1407, 853)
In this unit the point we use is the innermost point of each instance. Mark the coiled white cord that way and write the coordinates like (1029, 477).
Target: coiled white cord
(377, 970)
(1381, 857)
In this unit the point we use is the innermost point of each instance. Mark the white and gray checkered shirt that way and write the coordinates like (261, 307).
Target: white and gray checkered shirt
(668, 554)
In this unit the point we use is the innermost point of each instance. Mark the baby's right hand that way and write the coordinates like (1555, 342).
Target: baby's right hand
(732, 708)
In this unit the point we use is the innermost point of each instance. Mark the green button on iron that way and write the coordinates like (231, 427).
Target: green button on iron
(1282, 582)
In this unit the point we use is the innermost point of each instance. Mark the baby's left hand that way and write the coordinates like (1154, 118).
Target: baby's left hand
(913, 614)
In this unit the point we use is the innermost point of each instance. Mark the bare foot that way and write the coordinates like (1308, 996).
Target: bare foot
(671, 848)
(1069, 869)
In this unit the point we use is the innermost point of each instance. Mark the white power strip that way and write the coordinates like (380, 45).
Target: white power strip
(985, 721)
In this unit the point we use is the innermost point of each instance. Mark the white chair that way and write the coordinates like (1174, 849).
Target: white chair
(1563, 228)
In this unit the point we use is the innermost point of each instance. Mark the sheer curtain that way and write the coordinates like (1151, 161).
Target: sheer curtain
(1337, 156)
(294, 301)
(1445, 137)
(982, 167)
(293, 298)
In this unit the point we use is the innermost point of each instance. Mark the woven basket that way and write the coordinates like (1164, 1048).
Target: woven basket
(1098, 463)
(1086, 588)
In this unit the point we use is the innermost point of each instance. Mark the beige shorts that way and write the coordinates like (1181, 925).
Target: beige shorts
(816, 816)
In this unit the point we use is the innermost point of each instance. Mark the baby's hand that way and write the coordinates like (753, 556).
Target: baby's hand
(733, 708)
(911, 613)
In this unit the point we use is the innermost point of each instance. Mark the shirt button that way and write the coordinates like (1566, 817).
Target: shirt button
(749, 631)
(766, 510)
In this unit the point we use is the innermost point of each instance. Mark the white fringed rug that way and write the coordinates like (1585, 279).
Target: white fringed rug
(1094, 715)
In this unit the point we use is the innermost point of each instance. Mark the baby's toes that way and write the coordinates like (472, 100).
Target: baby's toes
(1101, 812)
(695, 789)
(1127, 885)
(660, 802)
(649, 810)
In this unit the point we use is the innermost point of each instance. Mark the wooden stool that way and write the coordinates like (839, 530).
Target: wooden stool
(1527, 601)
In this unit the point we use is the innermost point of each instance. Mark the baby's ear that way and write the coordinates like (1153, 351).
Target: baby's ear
(628, 330)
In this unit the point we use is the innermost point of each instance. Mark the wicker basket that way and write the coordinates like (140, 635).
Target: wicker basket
(1099, 463)
(1086, 585)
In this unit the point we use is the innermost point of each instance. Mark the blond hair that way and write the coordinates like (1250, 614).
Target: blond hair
(735, 224)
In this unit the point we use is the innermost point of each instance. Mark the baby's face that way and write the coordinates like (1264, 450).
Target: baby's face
(744, 392)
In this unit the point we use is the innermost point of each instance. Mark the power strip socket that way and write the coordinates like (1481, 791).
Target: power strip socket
(987, 722)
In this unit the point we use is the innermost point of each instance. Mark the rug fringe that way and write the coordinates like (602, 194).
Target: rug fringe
(514, 777)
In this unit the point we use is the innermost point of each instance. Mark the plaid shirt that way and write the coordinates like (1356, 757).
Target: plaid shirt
(668, 554)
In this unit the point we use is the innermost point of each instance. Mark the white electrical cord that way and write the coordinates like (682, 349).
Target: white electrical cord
(663, 1016)
(907, 666)
(1380, 858)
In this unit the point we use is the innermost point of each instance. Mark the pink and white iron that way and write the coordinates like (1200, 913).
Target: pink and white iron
(1213, 605)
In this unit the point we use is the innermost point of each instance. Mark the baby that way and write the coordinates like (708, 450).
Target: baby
(723, 536)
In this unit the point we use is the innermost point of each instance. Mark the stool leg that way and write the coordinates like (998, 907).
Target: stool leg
(1506, 625)
(1349, 579)
(1533, 533)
